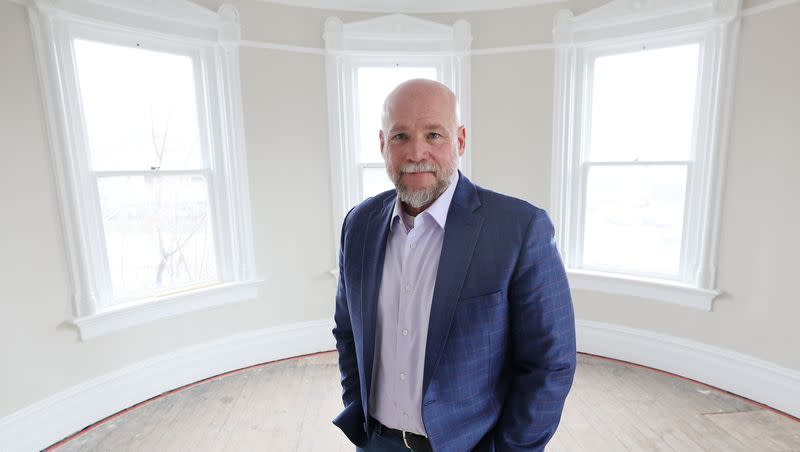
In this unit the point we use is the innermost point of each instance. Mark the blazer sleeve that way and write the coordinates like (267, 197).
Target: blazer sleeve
(351, 419)
(542, 343)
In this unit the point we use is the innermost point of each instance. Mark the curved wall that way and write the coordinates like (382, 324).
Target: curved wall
(287, 144)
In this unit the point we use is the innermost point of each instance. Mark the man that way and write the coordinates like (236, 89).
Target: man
(454, 322)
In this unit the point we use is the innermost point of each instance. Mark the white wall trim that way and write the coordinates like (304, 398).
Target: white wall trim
(758, 380)
(768, 6)
(139, 313)
(60, 415)
(282, 47)
(652, 289)
(514, 49)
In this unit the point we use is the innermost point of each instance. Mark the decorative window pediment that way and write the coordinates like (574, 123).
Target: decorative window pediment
(396, 33)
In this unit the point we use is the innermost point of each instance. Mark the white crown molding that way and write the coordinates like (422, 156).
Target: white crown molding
(62, 414)
(774, 4)
(414, 6)
(758, 380)
(536, 47)
(751, 11)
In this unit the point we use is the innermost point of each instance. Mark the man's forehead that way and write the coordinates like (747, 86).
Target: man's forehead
(416, 115)
(427, 122)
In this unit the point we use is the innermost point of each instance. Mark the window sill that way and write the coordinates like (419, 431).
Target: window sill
(121, 317)
(655, 289)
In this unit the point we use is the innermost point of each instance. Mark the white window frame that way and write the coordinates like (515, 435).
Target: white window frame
(390, 40)
(614, 28)
(179, 27)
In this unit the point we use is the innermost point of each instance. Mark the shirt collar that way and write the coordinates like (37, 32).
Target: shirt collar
(438, 210)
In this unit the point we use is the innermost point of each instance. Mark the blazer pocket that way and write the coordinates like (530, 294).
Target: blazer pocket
(488, 299)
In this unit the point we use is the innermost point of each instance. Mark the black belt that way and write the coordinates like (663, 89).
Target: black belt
(411, 440)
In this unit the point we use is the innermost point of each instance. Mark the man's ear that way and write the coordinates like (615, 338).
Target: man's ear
(380, 135)
(462, 140)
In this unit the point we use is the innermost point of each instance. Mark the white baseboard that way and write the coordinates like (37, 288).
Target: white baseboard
(755, 379)
(56, 417)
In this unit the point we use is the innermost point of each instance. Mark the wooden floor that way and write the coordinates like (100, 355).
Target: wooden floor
(287, 406)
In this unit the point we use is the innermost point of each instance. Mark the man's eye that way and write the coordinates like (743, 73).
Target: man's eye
(399, 136)
(434, 135)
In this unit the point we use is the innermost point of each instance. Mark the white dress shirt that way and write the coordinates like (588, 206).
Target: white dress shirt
(404, 304)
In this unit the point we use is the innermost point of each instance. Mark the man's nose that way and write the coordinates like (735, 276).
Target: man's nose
(417, 150)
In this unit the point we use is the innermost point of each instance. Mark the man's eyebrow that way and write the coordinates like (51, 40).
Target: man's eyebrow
(435, 126)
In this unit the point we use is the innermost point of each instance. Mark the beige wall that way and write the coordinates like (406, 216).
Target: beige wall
(287, 144)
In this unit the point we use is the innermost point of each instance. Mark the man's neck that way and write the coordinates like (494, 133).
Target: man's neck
(414, 211)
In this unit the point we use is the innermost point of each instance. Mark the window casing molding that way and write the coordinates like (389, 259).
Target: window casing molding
(611, 29)
(384, 42)
(178, 27)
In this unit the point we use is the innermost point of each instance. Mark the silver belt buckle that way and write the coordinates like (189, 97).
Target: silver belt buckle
(404, 439)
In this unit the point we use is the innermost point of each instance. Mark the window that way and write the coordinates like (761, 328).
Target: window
(365, 62)
(147, 137)
(640, 112)
(374, 83)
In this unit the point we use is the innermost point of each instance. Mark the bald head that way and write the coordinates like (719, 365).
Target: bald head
(420, 92)
(421, 141)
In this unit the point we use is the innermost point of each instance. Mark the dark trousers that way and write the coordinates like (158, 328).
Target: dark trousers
(383, 443)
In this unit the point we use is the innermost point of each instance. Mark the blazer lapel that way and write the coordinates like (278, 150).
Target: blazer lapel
(460, 236)
(377, 233)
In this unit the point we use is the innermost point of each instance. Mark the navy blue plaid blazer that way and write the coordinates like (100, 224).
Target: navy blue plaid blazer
(500, 353)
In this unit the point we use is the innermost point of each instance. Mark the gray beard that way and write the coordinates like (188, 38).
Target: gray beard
(420, 198)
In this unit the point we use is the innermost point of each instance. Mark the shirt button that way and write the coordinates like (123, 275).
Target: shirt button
(405, 332)
(413, 245)
(402, 375)
(408, 287)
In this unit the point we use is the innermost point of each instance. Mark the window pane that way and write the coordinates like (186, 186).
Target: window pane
(634, 218)
(374, 84)
(374, 181)
(139, 106)
(158, 233)
(643, 105)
